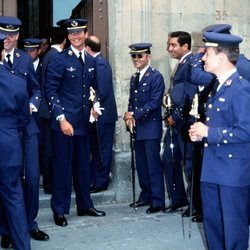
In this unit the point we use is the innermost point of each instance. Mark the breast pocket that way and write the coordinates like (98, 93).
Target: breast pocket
(144, 92)
(222, 112)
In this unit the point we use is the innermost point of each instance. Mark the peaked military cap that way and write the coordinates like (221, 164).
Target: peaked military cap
(31, 43)
(74, 25)
(218, 28)
(138, 48)
(9, 25)
(213, 39)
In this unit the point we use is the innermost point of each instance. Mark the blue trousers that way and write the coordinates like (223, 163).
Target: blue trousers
(71, 159)
(150, 172)
(172, 163)
(31, 172)
(100, 173)
(13, 208)
(225, 216)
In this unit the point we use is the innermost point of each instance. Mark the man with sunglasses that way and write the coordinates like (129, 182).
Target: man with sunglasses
(143, 118)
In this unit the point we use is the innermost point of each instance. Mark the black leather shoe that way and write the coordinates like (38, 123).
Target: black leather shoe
(187, 213)
(95, 189)
(90, 212)
(60, 220)
(6, 242)
(154, 209)
(198, 218)
(37, 234)
(173, 208)
(139, 204)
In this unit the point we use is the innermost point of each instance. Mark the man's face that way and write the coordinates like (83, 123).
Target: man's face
(10, 42)
(174, 49)
(211, 60)
(34, 53)
(140, 61)
(77, 39)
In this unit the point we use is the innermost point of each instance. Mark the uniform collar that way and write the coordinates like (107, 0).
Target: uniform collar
(98, 53)
(142, 72)
(11, 55)
(57, 47)
(182, 59)
(225, 76)
(76, 52)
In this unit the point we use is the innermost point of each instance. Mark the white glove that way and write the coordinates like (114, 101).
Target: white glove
(97, 108)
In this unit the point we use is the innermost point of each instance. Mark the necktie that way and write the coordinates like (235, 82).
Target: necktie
(80, 58)
(9, 61)
(137, 79)
(215, 86)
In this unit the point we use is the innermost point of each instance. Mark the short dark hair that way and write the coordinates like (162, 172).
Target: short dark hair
(231, 53)
(183, 38)
(95, 46)
(57, 35)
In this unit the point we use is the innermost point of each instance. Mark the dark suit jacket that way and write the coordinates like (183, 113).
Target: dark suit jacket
(23, 67)
(183, 91)
(226, 159)
(68, 89)
(14, 113)
(145, 101)
(44, 107)
(105, 90)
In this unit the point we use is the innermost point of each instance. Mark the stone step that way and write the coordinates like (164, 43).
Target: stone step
(104, 197)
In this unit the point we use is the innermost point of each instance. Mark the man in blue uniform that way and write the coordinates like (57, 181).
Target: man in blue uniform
(19, 63)
(69, 77)
(32, 47)
(14, 113)
(178, 149)
(225, 176)
(145, 119)
(58, 42)
(206, 80)
(102, 133)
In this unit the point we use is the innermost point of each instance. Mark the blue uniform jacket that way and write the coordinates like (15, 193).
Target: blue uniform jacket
(44, 107)
(199, 76)
(14, 113)
(105, 90)
(226, 158)
(145, 101)
(67, 89)
(183, 91)
(243, 65)
(23, 67)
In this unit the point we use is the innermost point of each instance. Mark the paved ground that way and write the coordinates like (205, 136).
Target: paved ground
(122, 228)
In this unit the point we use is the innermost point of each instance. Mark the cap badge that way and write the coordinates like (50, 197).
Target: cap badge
(10, 27)
(74, 23)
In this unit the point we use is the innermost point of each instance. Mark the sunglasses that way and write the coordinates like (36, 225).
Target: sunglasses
(136, 55)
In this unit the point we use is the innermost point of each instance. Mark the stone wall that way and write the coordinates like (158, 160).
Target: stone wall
(133, 21)
(8, 8)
